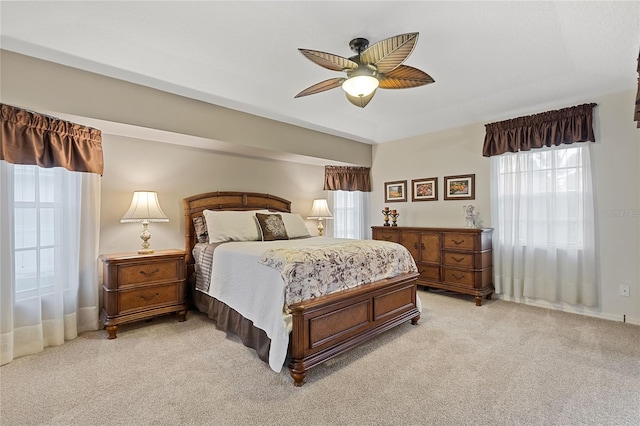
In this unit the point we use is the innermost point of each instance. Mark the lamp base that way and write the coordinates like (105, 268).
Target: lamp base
(145, 236)
(320, 228)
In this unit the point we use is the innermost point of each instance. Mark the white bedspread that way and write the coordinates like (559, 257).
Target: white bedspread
(257, 291)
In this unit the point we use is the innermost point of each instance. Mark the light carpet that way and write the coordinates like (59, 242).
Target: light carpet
(499, 364)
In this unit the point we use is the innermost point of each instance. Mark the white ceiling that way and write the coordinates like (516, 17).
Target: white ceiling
(491, 60)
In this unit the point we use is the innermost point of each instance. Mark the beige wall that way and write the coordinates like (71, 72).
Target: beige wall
(448, 153)
(174, 145)
(48, 87)
(456, 151)
(176, 172)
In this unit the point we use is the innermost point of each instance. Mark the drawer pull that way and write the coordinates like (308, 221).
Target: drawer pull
(150, 297)
(422, 245)
(457, 277)
(457, 242)
(415, 246)
(386, 237)
(149, 274)
(457, 259)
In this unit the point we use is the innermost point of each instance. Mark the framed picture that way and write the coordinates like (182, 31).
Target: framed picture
(424, 189)
(461, 187)
(395, 191)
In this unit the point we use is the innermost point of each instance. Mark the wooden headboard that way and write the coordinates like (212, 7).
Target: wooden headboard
(196, 204)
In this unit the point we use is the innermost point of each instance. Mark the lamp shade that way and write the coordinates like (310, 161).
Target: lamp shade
(360, 85)
(320, 210)
(144, 207)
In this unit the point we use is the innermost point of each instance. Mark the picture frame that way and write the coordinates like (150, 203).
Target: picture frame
(425, 189)
(395, 191)
(461, 187)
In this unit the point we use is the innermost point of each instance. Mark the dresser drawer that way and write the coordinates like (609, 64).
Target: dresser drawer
(386, 235)
(428, 272)
(150, 272)
(462, 260)
(458, 277)
(148, 297)
(458, 241)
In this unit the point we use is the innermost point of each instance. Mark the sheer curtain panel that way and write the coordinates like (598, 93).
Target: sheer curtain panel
(49, 229)
(542, 207)
(543, 213)
(350, 215)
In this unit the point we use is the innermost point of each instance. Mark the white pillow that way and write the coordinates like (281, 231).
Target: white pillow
(294, 224)
(232, 225)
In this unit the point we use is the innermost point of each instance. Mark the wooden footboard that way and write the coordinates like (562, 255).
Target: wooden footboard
(330, 325)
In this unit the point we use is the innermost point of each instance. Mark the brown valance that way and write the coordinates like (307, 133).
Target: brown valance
(30, 138)
(347, 178)
(563, 126)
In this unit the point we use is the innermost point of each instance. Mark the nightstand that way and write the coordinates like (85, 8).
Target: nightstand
(140, 286)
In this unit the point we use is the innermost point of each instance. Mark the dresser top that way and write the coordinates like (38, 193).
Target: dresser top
(419, 228)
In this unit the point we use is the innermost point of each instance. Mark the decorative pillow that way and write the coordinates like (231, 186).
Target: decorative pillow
(272, 227)
(295, 226)
(202, 236)
(232, 225)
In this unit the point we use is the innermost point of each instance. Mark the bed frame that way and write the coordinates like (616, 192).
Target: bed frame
(329, 325)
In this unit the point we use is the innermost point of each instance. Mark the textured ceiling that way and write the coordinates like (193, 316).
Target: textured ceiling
(491, 60)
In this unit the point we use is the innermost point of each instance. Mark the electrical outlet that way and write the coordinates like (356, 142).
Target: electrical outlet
(624, 290)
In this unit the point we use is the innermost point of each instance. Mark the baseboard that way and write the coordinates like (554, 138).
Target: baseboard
(563, 307)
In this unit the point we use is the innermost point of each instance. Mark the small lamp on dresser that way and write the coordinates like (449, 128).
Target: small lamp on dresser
(320, 211)
(144, 208)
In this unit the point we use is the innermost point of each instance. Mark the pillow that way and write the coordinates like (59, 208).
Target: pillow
(295, 226)
(232, 225)
(272, 227)
(201, 229)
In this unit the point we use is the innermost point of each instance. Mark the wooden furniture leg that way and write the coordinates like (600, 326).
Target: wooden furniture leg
(297, 372)
(111, 329)
(182, 316)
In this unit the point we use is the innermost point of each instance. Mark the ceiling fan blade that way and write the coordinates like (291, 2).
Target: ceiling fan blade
(389, 53)
(404, 77)
(360, 101)
(332, 83)
(329, 60)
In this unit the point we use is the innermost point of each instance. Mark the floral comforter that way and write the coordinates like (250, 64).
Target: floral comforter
(310, 272)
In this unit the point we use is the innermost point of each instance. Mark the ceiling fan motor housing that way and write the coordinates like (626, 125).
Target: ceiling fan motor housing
(358, 45)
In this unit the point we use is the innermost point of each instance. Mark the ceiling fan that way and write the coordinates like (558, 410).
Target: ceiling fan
(372, 67)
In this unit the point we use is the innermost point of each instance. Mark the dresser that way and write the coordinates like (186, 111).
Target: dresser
(456, 259)
(140, 286)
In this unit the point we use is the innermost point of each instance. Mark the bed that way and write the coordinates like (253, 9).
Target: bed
(320, 328)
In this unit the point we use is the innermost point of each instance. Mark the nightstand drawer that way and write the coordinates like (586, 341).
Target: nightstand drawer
(147, 297)
(129, 275)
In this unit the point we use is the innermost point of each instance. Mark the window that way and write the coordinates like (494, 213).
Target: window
(34, 230)
(543, 217)
(544, 192)
(350, 214)
(49, 221)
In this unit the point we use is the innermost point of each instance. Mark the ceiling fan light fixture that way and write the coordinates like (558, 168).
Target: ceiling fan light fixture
(360, 85)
